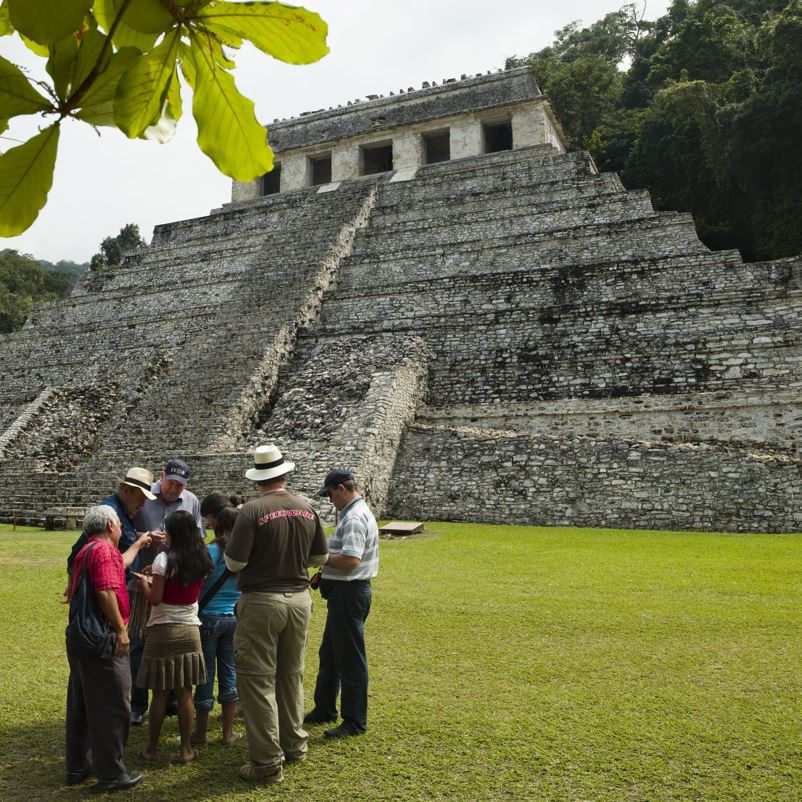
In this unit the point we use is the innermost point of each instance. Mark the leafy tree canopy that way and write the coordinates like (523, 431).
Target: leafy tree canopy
(22, 282)
(703, 107)
(112, 249)
(117, 63)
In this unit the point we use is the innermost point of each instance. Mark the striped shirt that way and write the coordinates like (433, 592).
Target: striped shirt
(356, 535)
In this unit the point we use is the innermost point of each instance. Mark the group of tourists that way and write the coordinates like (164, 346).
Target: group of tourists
(177, 612)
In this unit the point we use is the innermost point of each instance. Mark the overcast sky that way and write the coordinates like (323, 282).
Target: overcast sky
(377, 46)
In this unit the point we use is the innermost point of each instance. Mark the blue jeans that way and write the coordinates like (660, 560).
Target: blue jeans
(217, 640)
(343, 662)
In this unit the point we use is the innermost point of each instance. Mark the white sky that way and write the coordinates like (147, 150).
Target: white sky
(377, 46)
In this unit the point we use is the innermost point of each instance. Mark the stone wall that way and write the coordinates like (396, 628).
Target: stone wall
(510, 478)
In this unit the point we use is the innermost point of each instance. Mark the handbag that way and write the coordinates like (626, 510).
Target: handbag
(87, 631)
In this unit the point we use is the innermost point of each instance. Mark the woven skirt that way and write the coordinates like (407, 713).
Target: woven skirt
(173, 658)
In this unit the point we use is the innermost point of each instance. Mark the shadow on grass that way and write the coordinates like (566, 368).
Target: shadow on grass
(32, 766)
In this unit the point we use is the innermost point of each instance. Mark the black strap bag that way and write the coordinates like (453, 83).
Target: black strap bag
(88, 632)
(210, 594)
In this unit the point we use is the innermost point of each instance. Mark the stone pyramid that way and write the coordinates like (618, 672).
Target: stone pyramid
(483, 327)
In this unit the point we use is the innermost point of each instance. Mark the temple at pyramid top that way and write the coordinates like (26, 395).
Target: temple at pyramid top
(400, 133)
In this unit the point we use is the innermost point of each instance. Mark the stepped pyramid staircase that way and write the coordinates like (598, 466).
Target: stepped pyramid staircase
(509, 337)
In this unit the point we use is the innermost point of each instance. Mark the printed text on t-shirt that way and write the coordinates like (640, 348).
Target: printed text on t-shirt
(271, 516)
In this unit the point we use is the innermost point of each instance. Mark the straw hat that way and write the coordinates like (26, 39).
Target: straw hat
(268, 463)
(141, 479)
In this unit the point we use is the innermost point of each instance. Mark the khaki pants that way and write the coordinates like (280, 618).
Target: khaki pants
(269, 647)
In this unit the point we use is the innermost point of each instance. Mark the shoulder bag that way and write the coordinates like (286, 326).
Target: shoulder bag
(87, 632)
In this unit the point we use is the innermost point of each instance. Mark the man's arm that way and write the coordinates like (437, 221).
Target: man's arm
(320, 546)
(343, 562)
(129, 555)
(238, 548)
(107, 601)
(233, 565)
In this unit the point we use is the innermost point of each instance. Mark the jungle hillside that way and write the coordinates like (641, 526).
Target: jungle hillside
(702, 107)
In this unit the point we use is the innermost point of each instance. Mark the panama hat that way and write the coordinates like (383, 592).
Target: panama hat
(268, 463)
(140, 479)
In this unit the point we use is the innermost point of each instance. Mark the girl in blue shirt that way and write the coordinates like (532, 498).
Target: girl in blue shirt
(218, 623)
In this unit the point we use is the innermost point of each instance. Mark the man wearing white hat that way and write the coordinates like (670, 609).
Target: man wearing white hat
(132, 492)
(275, 538)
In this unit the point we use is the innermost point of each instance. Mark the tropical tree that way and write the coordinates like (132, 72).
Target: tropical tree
(117, 63)
(113, 248)
(22, 282)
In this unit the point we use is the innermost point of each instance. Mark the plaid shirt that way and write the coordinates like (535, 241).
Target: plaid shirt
(105, 572)
(356, 535)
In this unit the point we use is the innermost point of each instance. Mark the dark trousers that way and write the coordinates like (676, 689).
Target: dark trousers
(98, 713)
(343, 662)
(139, 696)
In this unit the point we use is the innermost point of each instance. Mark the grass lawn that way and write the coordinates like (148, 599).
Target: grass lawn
(507, 663)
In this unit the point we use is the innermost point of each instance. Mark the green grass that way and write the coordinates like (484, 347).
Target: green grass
(507, 663)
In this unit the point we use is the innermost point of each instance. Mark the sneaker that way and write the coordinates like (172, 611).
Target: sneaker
(313, 717)
(259, 774)
(137, 718)
(295, 758)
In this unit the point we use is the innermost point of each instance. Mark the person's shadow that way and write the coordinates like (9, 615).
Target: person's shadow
(32, 766)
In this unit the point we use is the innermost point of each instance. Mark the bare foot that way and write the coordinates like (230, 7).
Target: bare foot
(188, 757)
(231, 739)
(148, 757)
(198, 740)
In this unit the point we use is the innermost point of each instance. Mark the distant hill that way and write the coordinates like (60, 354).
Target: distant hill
(72, 269)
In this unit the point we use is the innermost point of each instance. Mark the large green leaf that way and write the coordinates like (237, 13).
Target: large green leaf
(89, 52)
(228, 131)
(164, 129)
(142, 90)
(290, 34)
(34, 47)
(47, 21)
(60, 63)
(17, 96)
(97, 105)
(146, 16)
(6, 27)
(26, 175)
(105, 12)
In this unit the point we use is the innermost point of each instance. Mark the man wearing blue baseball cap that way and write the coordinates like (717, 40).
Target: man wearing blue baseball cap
(345, 583)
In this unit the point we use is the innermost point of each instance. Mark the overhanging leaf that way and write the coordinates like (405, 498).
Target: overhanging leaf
(6, 27)
(228, 131)
(164, 129)
(60, 63)
(287, 33)
(142, 90)
(47, 21)
(17, 96)
(34, 47)
(97, 105)
(26, 175)
(124, 36)
(146, 16)
(89, 49)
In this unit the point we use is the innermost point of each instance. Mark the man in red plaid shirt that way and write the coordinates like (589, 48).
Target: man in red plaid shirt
(98, 694)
